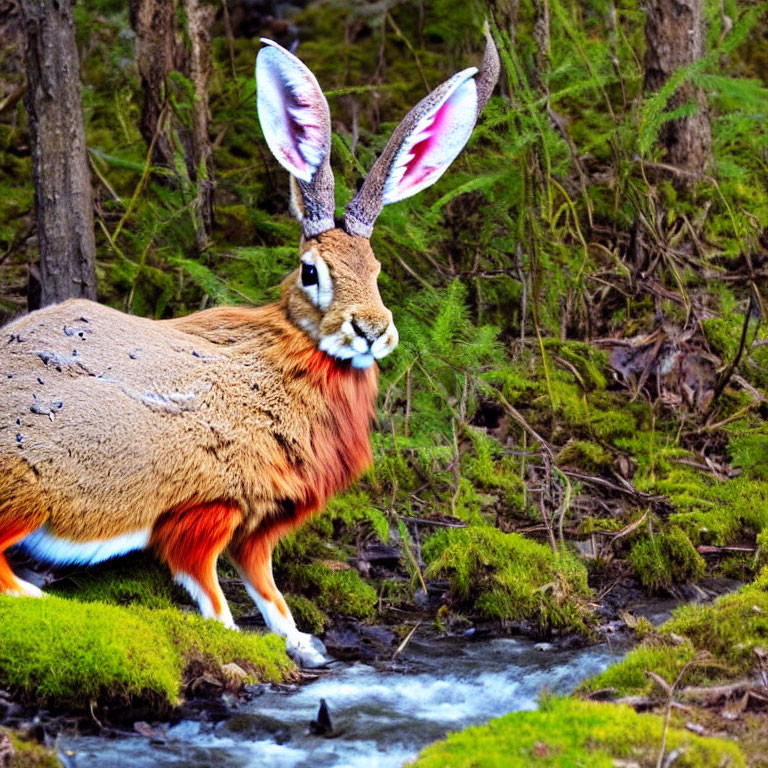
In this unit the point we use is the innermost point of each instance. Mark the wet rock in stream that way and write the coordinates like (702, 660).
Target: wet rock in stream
(254, 727)
(322, 726)
(359, 642)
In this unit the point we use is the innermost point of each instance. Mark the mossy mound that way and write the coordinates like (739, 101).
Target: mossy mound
(506, 576)
(566, 732)
(724, 513)
(63, 653)
(19, 753)
(728, 630)
(308, 617)
(337, 591)
(666, 559)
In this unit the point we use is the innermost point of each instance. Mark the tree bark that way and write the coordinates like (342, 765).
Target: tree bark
(154, 22)
(673, 35)
(158, 54)
(543, 53)
(200, 164)
(63, 195)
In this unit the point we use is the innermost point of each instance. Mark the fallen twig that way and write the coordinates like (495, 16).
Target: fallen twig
(710, 695)
(444, 523)
(406, 640)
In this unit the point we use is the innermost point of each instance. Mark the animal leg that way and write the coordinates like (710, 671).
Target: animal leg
(10, 584)
(252, 555)
(190, 539)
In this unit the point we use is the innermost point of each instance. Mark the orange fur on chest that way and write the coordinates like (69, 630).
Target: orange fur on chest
(339, 440)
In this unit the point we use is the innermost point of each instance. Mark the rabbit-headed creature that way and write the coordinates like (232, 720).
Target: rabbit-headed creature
(225, 429)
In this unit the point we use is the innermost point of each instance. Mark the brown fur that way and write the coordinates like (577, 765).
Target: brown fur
(122, 419)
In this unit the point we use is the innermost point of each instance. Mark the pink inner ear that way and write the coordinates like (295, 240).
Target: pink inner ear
(419, 167)
(302, 132)
(434, 143)
(292, 111)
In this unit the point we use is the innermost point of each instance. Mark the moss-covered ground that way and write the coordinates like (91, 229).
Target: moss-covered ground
(63, 653)
(567, 732)
(724, 640)
(707, 658)
(563, 337)
(506, 576)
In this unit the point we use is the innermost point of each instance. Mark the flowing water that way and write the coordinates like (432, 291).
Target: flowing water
(381, 718)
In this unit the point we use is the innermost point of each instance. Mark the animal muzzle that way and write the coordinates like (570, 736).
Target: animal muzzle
(361, 341)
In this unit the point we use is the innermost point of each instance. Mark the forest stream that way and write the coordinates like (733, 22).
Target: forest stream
(381, 718)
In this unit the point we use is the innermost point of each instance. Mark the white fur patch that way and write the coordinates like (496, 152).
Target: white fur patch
(362, 361)
(345, 344)
(24, 589)
(303, 648)
(386, 342)
(198, 594)
(43, 545)
(275, 621)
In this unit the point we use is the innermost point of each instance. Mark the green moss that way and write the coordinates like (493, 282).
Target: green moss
(723, 513)
(510, 577)
(69, 653)
(761, 556)
(135, 580)
(728, 631)
(749, 449)
(740, 567)
(566, 732)
(664, 559)
(629, 675)
(612, 417)
(340, 592)
(592, 524)
(584, 454)
(28, 754)
(730, 628)
(308, 617)
(341, 522)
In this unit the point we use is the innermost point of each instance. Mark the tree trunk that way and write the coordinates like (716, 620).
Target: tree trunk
(158, 54)
(673, 35)
(154, 22)
(505, 13)
(542, 55)
(63, 196)
(200, 164)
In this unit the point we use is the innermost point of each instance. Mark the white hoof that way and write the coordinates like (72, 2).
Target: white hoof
(25, 589)
(306, 650)
(229, 623)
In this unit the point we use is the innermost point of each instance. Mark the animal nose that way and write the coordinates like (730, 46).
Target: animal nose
(364, 332)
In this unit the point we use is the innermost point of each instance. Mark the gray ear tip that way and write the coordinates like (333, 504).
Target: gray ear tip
(355, 227)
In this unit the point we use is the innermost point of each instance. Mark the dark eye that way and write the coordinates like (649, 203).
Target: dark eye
(308, 274)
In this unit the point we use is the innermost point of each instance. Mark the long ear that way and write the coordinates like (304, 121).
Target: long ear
(296, 122)
(425, 143)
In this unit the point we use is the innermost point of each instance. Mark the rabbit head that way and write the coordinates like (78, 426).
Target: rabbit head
(333, 295)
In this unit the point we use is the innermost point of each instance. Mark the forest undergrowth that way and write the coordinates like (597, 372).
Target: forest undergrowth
(579, 398)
